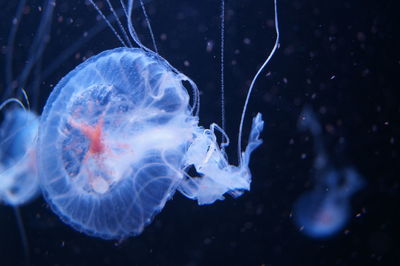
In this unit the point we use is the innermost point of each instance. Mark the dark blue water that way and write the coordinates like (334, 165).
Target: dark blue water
(340, 57)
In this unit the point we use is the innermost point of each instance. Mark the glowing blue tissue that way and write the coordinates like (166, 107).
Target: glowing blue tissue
(19, 183)
(325, 210)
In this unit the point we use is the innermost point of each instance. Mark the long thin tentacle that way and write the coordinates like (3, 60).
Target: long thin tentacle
(10, 48)
(22, 232)
(222, 68)
(38, 44)
(116, 17)
(108, 23)
(276, 45)
(149, 26)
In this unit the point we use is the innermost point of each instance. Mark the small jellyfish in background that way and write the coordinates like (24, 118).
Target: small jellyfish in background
(19, 182)
(118, 136)
(325, 210)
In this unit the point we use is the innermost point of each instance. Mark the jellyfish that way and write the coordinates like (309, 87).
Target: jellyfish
(18, 174)
(325, 209)
(119, 134)
(19, 182)
(18, 178)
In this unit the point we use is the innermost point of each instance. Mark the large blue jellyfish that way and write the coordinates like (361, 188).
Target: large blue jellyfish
(118, 135)
(325, 209)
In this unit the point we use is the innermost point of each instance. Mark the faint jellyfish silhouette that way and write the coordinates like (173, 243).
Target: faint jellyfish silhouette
(19, 183)
(118, 134)
(325, 210)
(18, 177)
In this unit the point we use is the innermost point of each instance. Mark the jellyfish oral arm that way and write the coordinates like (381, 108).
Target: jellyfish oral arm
(217, 176)
(254, 138)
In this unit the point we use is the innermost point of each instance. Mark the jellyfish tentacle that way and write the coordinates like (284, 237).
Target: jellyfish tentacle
(10, 47)
(108, 23)
(216, 176)
(149, 26)
(250, 90)
(116, 17)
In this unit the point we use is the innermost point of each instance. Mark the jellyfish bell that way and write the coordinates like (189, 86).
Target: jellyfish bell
(320, 214)
(19, 183)
(117, 135)
(325, 210)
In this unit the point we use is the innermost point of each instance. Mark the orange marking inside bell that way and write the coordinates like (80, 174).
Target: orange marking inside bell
(93, 133)
(96, 147)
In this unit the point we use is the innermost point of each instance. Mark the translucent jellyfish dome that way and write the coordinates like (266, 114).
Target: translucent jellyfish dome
(116, 136)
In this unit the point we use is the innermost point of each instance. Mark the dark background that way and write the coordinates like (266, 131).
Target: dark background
(340, 57)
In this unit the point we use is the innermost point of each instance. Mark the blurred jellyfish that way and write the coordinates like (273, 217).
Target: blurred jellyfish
(18, 178)
(325, 209)
(118, 136)
(19, 182)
